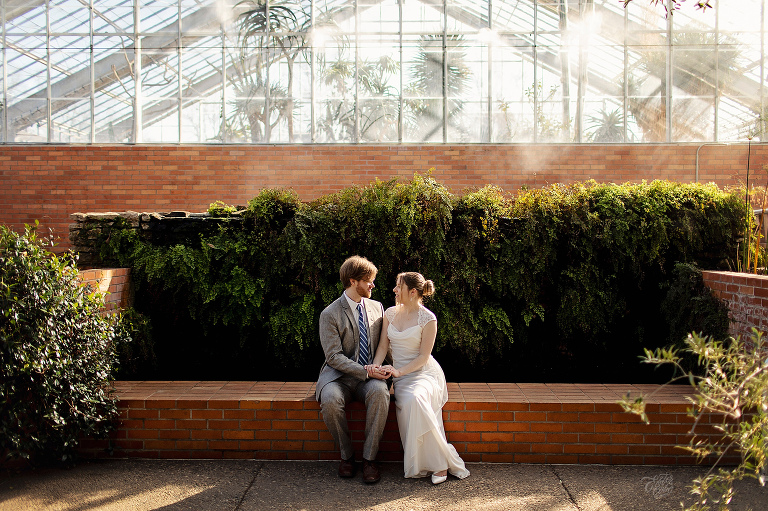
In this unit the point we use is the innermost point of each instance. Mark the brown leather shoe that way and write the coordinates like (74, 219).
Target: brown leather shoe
(370, 472)
(347, 468)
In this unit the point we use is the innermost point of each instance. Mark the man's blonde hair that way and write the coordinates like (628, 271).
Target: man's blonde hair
(356, 268)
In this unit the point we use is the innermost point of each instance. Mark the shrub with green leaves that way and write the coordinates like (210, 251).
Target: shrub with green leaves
(731, 384)
(544, 285)
(57, 352)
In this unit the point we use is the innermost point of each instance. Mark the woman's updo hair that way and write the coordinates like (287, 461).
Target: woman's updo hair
(415, 280)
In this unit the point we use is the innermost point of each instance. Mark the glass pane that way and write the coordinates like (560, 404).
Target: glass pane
(113, 69)
(468, 67)
(201, 122)
(161, 121)
(113, 118)
(466, 17)
(423, 120)
(379, 16)
(245, 119)
(746, 17)
(693, 119)
(27, 71)
(513, 16)
(33, 125)
(201, 72)
(423, 17)
(23, 17)
(285, 89)
(71, 121)
(646, 16)
(512, 121)
(112, 16)
(69, 16)
(335, 13)
(468, 122)
(334, 120)
(160, 75)
(512, 75)
(70, 63)
(159, 16)
(294, 15)
(379, 67)
(293, 128)
(423, 88)
(200, 18)
(334, 93)
(379, 120)
(647, 87)
(604, 121)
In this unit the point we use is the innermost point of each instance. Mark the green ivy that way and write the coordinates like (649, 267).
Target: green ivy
(549, 274)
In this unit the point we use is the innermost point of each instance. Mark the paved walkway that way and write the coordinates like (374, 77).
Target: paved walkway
(291, 485)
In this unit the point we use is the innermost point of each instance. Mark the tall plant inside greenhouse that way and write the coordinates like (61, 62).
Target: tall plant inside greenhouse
(268, 32)
(437, 70)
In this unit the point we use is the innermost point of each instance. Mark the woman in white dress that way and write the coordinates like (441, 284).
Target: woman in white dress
(409, 330)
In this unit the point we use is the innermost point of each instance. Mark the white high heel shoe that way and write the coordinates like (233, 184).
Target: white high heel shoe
(439, 479)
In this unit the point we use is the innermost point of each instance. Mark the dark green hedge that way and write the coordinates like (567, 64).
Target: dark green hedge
(564, 283)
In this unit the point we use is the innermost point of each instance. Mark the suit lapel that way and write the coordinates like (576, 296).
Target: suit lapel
(349, 314)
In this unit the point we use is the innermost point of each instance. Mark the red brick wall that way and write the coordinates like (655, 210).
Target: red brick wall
(115, 282)
(497, 422)
(50, 182)
(746, 296)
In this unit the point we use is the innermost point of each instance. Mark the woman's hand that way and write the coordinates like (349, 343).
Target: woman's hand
(376, 371)
(391, 371)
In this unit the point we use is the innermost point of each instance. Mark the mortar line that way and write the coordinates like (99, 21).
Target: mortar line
(253, 479)
(567, 491)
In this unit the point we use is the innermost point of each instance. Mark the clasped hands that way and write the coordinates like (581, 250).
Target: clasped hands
(382, 372)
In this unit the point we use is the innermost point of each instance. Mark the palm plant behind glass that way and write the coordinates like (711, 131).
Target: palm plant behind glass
(606, 126)
(424, 106)
(267, 35)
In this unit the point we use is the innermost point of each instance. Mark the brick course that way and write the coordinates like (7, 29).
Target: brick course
(516, 423)
(746, 296)
(50, 182)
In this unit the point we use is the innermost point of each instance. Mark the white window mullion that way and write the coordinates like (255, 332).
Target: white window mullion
(92, 95)
(48, 88)
(138, 103)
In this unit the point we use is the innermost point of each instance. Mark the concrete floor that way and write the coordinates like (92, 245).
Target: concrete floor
(280, 485)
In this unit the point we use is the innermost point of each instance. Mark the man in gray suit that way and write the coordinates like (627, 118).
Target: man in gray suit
(349, 333)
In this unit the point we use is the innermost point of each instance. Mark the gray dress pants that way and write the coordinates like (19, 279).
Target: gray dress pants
(333, 400)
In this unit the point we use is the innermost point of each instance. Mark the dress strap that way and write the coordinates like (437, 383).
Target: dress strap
(425, 316)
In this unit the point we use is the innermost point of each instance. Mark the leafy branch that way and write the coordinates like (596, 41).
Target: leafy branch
(733, 385)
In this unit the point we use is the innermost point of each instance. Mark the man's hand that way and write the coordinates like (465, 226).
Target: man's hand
(377, 372)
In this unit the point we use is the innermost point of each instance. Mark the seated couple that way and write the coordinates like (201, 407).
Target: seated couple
(358, 336)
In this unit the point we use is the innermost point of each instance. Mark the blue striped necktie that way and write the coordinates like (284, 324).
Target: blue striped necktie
(364, 352)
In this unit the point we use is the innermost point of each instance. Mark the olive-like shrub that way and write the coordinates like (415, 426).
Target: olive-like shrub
(57, 352)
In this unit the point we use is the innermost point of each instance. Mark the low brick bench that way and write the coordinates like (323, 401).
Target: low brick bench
(494, 422)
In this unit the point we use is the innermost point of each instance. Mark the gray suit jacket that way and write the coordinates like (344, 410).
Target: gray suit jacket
(340, 338)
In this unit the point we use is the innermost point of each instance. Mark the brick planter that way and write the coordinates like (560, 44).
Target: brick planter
(497, 422)
(115, 282)
(746, 296)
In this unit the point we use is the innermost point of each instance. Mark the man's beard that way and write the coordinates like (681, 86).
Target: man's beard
(363, 290)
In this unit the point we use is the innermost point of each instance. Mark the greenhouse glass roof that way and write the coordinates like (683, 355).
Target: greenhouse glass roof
(85, 71)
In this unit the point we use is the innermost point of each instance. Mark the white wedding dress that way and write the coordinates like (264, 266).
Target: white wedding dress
(419, 400)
